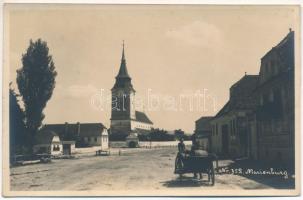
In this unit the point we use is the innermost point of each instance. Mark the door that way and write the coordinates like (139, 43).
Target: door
(225, 140)
(66, 149)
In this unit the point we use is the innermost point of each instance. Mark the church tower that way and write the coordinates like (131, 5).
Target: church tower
(123, 97)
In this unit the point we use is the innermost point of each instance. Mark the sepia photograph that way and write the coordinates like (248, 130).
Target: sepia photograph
(151, 100)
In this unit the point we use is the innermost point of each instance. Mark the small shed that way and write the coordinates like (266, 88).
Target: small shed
(69, 147)
(132, 140)
(47, 142)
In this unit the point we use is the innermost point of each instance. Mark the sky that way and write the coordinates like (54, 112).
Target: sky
(182, 58)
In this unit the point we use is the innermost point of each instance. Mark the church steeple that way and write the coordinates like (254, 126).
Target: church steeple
(123, 73)
(123, 80)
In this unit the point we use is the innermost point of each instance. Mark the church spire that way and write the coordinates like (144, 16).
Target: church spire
(123, 56)
(123, 80)
(123, 73)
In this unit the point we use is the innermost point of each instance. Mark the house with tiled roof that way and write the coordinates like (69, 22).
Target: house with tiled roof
(229, 136)
(125, 119)
(48, 142)
(84, 134)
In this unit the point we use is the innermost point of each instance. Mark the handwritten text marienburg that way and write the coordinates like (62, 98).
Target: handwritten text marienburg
(240, 171)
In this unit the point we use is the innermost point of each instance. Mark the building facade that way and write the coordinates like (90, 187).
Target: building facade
(202, 135)
(275, 113)
(258, 121)
(230, 136)
(124, 117)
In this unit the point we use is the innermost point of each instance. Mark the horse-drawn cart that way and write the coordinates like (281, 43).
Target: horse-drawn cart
(196, 164)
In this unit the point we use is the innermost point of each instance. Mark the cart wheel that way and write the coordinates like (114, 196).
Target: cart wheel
(211, 175)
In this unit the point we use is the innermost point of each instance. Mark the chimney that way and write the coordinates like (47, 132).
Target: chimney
(78, 129)
(65, 128)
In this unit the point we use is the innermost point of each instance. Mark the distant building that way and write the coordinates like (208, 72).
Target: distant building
(124, 117)
(229, 127)
(85, 134)
(202, 135)
(274, 117)
(47, 142)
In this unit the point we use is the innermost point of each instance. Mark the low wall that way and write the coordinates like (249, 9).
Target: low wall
(163, 144)
(87, 149)
(117, 144)
(150, 144)
(123, 145)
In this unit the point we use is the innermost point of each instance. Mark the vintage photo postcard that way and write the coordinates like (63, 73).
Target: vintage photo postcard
(151, 100)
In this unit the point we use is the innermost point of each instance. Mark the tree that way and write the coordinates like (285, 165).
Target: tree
(16, 125)
(179, 134)
(36, 82)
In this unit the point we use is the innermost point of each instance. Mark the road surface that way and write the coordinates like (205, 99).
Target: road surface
(139, 170)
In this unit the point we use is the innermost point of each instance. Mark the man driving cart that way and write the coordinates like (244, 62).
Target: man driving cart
(193, 161)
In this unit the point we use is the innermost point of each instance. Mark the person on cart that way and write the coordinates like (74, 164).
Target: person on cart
(181, 153)
(181, 146)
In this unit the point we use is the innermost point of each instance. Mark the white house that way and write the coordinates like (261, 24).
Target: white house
(47, 142)
(84, 134)
(104, 140)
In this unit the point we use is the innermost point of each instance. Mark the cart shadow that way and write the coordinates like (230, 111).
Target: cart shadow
(186, 182)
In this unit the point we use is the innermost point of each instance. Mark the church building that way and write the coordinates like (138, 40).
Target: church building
(124, 118)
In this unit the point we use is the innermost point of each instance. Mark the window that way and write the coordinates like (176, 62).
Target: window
(216, 129)
(231, 127)
(56, 148)
(271, 96)
(234, 126)
(274, 67)
(96, 139)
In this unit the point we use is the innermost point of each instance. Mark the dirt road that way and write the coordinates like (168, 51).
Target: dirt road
(145, 169)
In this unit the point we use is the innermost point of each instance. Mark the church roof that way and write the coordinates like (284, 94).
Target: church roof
(123, 73)
(142, 117)
(123, 80)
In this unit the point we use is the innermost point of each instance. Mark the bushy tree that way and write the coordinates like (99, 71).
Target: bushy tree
(160, 135)
(17, 134)
(36, 82)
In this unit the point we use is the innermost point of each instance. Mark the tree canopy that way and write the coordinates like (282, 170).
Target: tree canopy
(36, 82)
